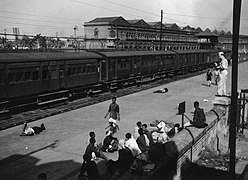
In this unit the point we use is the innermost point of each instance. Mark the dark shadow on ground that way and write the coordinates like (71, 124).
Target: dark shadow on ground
(196, 172)
(25, 167)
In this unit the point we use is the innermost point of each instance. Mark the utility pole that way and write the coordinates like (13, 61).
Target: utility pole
(161, 28)
(5, 38)
(234, 95)
(75, 38)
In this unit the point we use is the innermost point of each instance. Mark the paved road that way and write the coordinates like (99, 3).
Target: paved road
(58, 151)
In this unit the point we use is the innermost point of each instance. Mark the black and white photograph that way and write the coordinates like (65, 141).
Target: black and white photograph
(123, 90)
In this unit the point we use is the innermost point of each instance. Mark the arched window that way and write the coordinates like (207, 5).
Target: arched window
(96, 32)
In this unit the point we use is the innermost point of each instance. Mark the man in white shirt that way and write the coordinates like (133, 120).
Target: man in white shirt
(221, 88)
(132, 144)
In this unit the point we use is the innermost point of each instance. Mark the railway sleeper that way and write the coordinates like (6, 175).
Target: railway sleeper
(3, 105)
(53, 101)
(23, 107)
(53, 98)
(4, 114)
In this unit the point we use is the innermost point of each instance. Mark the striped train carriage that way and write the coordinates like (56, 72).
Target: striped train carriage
(25, 74)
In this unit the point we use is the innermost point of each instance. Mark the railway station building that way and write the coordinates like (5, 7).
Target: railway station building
(119, 33)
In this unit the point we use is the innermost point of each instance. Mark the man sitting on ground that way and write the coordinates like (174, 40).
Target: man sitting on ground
(142, 141)
(199, 117)
(132, 144)
(160, 134)
(148, 134)
(110, 143)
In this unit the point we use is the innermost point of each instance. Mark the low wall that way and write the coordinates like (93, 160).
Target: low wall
(191, 141)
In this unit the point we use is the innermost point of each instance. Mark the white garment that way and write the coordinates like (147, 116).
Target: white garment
(221, 88)
(29, 130)
(135, 132)
(147, 140)
(159, 137)
(222, 83)
(111, 120)
(133, 146)
(163, 127)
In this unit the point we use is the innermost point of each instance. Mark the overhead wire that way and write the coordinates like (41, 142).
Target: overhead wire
(18, 18)
(109, 1)
(28, 14)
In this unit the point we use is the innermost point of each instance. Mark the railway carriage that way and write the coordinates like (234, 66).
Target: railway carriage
(25, 74)
(48, 77)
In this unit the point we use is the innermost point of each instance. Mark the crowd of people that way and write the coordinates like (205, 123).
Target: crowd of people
(137, 146)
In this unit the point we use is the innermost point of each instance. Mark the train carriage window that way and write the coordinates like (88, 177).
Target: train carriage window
(19, 76)
(109, 67)
(135, 64)
(1, 77)
(84, 70)
(93, 69)
(61, 70)
(79, 70)
(73, 71)
(44, 73)
(35, 75)
(68, 71)
(27, 75)
(54, 73)
(11, 77)
(88, 69)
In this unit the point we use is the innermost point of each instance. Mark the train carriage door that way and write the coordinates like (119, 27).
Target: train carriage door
(62, 81)
(114, 68)
(138, 64)
(131, 65)
(103, 70)
(45, 77)
(3, 81)
(54, 73)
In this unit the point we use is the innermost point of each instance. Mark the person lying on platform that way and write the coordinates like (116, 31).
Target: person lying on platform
(198, 118)
(164, 90)
(30, 131)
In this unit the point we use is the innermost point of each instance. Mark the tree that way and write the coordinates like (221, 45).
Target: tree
(25, 41)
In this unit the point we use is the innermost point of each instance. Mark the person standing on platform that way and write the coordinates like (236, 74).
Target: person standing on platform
(221, 88)
(216, 73)
(113, 112)
(209, 77)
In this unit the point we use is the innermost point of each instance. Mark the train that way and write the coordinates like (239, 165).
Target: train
(26, 75)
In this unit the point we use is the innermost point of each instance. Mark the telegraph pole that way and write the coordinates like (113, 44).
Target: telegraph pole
(234, 95)
(161, 28)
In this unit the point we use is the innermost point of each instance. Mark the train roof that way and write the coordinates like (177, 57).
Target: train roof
(144, 53)
(191, 51)
(47, 56)
(134, 53)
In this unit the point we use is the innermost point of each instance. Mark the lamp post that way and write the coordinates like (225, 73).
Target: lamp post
(75, 34)
(5, 38)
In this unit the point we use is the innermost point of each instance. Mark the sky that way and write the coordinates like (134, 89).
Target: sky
(60, 17)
